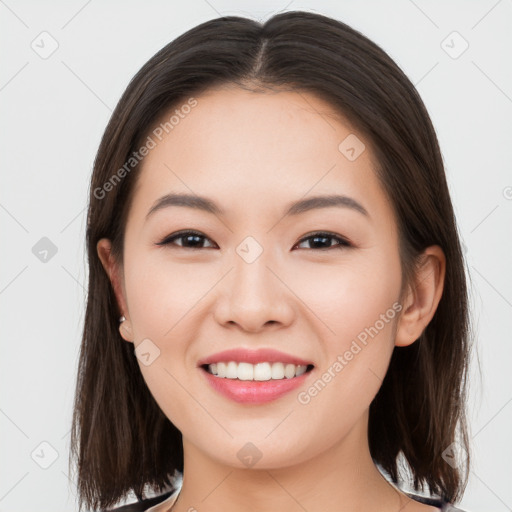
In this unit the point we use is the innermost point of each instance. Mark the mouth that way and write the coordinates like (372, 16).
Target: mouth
(253, 377)
(264, 371)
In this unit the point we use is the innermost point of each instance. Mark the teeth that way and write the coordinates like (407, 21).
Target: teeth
(278, 371)
(259, 371)
(231, 370)
(262, 371)
(289, 371)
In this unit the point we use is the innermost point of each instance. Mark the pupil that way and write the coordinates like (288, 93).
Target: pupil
(196, 238)
(316, 238)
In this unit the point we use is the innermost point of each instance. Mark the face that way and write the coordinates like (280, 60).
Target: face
(254, 276)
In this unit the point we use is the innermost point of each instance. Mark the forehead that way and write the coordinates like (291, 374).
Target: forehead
(251, 150)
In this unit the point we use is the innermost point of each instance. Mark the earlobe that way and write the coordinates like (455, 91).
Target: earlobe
(423, 297)
(113, 271)
(125, 329)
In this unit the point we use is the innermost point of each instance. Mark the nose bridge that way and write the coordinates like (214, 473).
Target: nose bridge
(252, 279)
(254, 295)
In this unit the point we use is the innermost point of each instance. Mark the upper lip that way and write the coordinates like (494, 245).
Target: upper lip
(242, 355)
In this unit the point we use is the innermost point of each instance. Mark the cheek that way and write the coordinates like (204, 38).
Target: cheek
(163, 299)
(162, 294)
(355, 312)
(362, 314)
(359, 292)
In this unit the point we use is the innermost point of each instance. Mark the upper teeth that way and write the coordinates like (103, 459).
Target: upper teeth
(259, 371)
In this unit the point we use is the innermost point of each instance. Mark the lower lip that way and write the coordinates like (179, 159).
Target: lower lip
(251, 391)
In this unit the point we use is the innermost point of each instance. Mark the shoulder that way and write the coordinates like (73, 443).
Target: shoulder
(146, 505)
(443, 506)
(141, 506)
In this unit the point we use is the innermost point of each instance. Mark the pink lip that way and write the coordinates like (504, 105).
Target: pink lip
(241, 355)
(253, 392)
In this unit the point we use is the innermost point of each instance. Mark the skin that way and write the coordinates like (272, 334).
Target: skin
(254, 153)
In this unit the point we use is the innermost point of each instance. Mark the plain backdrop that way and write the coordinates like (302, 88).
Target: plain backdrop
(64, 67)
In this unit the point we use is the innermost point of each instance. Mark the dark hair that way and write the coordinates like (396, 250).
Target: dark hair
(120, 437)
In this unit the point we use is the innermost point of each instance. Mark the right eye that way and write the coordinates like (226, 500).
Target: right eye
(190, 240)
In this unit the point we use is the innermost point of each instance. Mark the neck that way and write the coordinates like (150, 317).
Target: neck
(342, 478)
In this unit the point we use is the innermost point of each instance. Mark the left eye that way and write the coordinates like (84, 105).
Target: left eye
(195, 240)
(323, 239)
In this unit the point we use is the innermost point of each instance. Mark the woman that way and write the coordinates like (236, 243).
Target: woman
(277, 302)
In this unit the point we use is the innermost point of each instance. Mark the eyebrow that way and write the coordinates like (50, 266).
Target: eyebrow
(295, 208)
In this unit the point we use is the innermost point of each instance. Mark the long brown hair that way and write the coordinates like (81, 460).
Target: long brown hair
(121, 439)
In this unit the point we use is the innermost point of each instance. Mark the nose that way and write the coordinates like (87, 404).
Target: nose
(254, 296)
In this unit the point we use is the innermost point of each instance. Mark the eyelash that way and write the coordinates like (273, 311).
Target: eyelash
(320, 234)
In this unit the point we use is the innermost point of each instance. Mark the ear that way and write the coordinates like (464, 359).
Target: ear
(115, 274)
(423, 296)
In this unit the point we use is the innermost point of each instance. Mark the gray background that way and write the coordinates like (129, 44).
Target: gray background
(54, 110)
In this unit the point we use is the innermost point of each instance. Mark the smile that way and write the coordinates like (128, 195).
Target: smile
(250, 376)
(263, 371)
